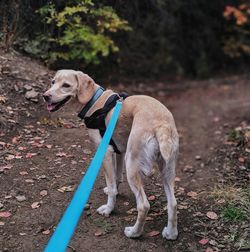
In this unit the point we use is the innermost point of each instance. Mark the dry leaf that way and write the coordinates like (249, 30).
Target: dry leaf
(30, 155)
(99, 233)
(46, 232)
(43, 193)
(5, 214)
(35, 205)
(66, 189)
(151, 198)
(29, 181)
(23, 173)
(203, 241)
(192, 194)
(131, 211)
(6, 167)
(3, 99)
(153, 233)
(212, 215)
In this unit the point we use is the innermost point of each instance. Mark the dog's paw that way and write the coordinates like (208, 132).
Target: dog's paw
(170, 234)
(105, 210)
(131, 232)
(106, 190)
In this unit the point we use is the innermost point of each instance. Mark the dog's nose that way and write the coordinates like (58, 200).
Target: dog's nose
(46, 97)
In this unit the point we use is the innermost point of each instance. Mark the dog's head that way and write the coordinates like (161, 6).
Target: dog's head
(67, 85)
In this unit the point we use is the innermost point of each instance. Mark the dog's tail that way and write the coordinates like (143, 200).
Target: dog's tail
(168, 141)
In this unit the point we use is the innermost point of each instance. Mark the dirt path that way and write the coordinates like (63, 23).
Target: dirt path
(42, 154)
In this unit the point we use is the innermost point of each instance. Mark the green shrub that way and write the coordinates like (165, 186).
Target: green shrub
(80, 31)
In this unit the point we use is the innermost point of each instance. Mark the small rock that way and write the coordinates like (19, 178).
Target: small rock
(32, 94)
(1, 205)
(20, 198)
(198, 157)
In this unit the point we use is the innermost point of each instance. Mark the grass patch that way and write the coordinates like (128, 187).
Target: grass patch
(236, 202)
(232, 212)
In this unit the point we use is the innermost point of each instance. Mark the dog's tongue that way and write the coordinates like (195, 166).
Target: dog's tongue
(50, 106)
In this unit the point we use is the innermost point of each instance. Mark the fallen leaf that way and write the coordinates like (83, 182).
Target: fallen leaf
(5, 214)
(153, 233)
(177, 179)
(241, 159)
(35, 205)
(180, 206)
(46, 232)
(66, 189)
(192, 194)
(15, 140)
(10, 157)
(3, 99)
(99, 233)
(212, 215)
(43, 193)
(151, 198)
(203, 241)
(30, 155)
(29, 181)
(61, 154)
(6, 167)
(2, 143)
(23, 173)
(209, 250)
(49, 146)
(2, 223)
(131, 211)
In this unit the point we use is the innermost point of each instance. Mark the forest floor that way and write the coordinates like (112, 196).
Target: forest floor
(44, 156)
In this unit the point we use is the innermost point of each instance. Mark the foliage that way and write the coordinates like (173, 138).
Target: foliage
(81, 31)
(238, 42)
(166, 37)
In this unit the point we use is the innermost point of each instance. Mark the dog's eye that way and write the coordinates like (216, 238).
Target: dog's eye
(52, 82)
(65, 85)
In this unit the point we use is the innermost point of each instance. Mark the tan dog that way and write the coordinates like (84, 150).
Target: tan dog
(145, 134)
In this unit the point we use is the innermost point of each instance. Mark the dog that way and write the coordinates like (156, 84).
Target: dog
(145, 134)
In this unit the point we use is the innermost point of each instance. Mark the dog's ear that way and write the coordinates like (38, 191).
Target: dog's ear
(85, 85)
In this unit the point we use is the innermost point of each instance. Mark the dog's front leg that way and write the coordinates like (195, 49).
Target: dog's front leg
(109, 165)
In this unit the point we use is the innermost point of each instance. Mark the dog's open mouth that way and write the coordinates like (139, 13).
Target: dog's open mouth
(54, 106)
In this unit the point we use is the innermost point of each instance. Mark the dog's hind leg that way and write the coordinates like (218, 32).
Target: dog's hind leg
(169, 152)
(134, 175)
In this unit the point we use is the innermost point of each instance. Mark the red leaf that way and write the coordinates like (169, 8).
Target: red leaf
(151, 198)
(5, 214)
(153, 233)
(203, 241)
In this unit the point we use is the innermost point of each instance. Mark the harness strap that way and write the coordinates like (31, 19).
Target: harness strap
(95, 97)
(97, 119)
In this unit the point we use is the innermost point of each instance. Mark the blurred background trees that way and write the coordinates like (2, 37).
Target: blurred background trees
(147, 38)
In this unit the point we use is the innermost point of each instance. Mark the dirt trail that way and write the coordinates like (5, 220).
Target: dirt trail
(55, 154)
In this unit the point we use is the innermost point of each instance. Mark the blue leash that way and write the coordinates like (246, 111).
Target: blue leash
(68, 223)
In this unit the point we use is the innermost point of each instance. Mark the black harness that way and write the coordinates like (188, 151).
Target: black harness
(97, 119)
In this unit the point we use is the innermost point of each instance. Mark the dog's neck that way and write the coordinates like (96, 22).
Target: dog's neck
(99, 91)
